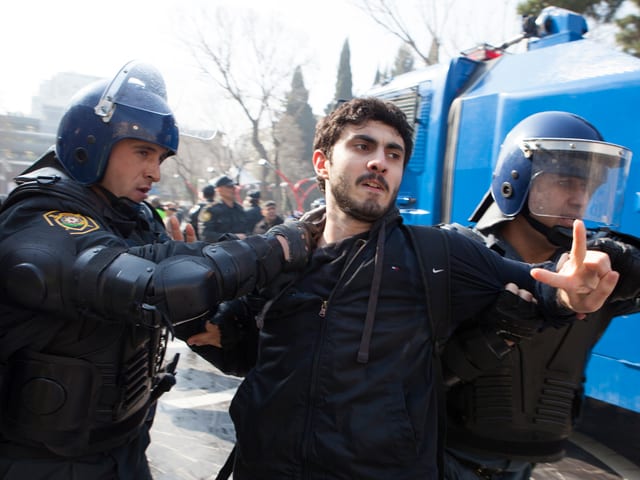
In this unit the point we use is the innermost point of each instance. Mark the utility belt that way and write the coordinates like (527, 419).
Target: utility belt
(64, 405)
(481, 471)
(488, 472)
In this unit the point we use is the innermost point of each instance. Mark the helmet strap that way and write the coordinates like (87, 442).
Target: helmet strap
(557, 235)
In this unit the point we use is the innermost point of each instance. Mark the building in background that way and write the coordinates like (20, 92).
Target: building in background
(24, 137)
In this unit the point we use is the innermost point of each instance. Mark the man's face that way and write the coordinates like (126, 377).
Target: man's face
(134, 165)
(227, 192)
(365, 170)
(558, 199)
(269, 212)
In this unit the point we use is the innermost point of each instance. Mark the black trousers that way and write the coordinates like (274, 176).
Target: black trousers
(127, 462)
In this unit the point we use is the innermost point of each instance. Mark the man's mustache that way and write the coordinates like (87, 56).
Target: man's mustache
(373, 177)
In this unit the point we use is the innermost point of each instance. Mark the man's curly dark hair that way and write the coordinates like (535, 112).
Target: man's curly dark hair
(357, 112)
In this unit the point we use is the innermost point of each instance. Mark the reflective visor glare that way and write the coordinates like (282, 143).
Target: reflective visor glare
(583, 184)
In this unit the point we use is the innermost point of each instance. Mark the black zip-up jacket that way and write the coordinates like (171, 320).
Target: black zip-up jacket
(309, 409)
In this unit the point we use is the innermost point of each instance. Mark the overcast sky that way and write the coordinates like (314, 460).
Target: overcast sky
(40, 38)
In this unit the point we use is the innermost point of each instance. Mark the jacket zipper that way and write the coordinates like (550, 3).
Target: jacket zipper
(314, 373)
(323, 308)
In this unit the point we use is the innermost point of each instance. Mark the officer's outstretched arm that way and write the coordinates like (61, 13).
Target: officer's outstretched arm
(115, 283)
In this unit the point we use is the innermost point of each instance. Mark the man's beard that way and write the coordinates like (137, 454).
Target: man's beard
(367, 211)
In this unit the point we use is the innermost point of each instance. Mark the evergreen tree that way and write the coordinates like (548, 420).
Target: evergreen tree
(602, 11)
(344, 82)
(404, 61)
(629, 36)
(293, 134)
(298, 108)
(379, 77)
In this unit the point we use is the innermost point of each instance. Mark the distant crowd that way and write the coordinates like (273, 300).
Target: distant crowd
(219, 214)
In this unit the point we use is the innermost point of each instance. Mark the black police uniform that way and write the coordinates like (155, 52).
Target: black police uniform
(219, 219)
(521, 408)
(75, 385)
(84, 322)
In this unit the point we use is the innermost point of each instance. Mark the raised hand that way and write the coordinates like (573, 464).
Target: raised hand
(172, 224)
(584, 278)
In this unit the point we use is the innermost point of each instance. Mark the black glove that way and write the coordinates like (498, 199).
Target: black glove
(301, 238)
(625, 259)
(513, 318)
(234, 320)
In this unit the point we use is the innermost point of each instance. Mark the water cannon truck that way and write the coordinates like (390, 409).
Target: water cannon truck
(462, 110)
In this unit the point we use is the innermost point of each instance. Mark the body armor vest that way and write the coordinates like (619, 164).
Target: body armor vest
(84, 383)
(524, 406)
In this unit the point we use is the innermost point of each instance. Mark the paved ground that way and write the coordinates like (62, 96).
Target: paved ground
(193, 433)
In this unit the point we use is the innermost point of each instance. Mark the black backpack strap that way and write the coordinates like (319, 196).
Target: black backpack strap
(432, 249)
(227, 468)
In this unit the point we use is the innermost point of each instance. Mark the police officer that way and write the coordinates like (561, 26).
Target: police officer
(208, 195)
(253, 209)
(509, 408)
(89, 287)
(225, 216)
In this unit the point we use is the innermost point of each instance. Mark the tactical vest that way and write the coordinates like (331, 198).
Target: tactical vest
(525, 407)
(72, 383)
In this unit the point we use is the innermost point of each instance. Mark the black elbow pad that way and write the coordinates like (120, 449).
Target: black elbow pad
(113, 282)
(110, 282)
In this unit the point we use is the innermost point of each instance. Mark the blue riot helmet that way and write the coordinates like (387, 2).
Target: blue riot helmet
(132, 105)
(568, 150)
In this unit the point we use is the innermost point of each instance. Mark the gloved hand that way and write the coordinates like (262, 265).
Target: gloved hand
(301, 239)
(625, 259)
(513, 318)
(233, 321)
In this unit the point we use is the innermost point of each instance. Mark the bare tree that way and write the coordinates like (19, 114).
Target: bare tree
(198, 160)
(430, 28)
(387, 14)
(243, 56)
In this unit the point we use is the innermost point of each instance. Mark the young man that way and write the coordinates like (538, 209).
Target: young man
(345, 383)
(507, 412)
(90, 285)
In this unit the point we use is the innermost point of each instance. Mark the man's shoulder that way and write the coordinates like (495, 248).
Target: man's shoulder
(214, 207)
(466, 231)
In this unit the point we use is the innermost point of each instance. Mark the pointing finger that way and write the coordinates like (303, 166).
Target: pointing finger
(579, 244)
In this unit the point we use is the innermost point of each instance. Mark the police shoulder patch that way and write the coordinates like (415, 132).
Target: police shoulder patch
(204, 216)
(74, 223)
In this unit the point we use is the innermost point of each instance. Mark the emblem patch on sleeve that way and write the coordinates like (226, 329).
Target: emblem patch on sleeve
(204, 216)
(74, 223)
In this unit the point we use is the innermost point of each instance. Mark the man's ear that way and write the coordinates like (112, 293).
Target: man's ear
(320, 164)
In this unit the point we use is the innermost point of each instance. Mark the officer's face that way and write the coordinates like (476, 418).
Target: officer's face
(364, 173)
(134, 165)
(558, 199)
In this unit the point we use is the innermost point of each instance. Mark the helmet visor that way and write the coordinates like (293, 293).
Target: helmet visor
(581, 179)
(137, 85)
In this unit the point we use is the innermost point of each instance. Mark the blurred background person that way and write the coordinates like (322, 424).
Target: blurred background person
(270, 217)
(253, 209)
(224, 216)
(208, 196)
